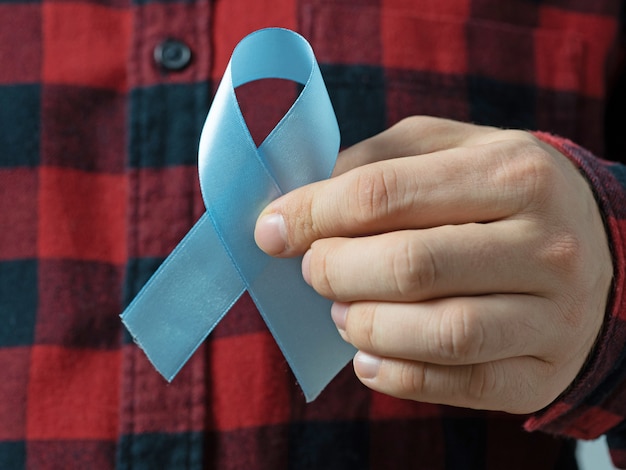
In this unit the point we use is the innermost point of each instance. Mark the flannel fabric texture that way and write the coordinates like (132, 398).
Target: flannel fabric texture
(98, 183)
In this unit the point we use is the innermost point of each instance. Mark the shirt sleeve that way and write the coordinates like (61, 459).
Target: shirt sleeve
(595, 403)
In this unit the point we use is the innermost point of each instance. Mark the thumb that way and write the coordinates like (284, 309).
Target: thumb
(373, 191)
(291, 223)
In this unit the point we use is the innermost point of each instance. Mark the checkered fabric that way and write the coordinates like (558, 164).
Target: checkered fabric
(98, 183)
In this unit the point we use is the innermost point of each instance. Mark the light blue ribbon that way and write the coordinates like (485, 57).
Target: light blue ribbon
(218, 259)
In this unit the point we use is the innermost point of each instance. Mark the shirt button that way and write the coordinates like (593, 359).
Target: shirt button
(172, 54)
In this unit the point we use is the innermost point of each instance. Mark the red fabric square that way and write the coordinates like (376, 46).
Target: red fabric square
(156, 21)
(73, 394)
(332, 405)
(617, 226)
(263, 104)
(559, 60)
(249, 382)
(337, 41)
(20, 42)
(423, 44)
(82, 215)
(250, 16)
(152, 405)
(14, 363)
(597, 32)
(18, 213)
(618, 456)
(85, 44)
(164, 195)
(242, 318)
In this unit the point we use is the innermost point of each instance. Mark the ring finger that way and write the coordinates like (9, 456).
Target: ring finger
(460, 330)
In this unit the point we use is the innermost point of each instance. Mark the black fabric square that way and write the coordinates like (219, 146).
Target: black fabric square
(389, 448)
(411, 93)
(619, 173)
(160, 450)
(18, 302)
(20, 124)
(600, 7)
(13, 455)
(138, 272)
(165, 124)
(558, 112)
(518, 12)
(358, 97)
(83, 128)
(500, 104)
(70, 453)
(465, 441)
(257, 447)
(340, 446)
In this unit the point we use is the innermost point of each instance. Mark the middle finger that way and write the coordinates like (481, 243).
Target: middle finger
(416, 265)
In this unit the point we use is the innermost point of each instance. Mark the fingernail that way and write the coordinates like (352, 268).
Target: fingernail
(339, 312)
(306, 267)
(270, 234)
(366, 366)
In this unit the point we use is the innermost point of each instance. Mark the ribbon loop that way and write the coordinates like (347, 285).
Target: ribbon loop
(218, 259)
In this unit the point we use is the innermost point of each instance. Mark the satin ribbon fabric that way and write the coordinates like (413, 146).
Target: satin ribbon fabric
(218, 259)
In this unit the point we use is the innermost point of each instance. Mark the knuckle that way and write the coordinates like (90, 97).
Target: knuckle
(483, 384)
(526, 170)
(515, 135)
(411, 379)
(375, 192)
(539, 172)
(301, 215)
(321, 270)
(461, 335)
(414, 268)
(526, 391)
(410, 123)
(563, 253)
(361, 327)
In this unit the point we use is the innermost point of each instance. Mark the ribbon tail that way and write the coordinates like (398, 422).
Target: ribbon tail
(197, 274)
(300, 322)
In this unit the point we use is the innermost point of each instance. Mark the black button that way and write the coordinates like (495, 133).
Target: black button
(172, 54)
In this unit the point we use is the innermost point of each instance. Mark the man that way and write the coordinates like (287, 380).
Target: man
(488, 267)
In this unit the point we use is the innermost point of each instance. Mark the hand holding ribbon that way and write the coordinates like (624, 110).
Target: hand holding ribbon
(218, 259)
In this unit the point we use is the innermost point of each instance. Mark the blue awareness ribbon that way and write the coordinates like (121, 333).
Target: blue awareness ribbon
(218, 259)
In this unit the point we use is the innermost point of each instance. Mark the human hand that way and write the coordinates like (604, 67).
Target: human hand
(469, 265)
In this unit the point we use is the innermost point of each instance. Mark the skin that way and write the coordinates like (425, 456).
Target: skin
(468, 265)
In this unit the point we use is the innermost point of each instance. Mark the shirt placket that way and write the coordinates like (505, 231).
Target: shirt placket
(162, 425)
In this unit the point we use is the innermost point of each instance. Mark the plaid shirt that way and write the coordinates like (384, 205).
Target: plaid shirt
(98, 183)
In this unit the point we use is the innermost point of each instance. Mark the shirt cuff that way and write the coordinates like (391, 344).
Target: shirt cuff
(595, 402)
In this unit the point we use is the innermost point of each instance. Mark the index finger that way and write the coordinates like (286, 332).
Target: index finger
(417, 135)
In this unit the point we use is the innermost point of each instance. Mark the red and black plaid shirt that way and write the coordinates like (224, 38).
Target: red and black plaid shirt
(98, 183)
